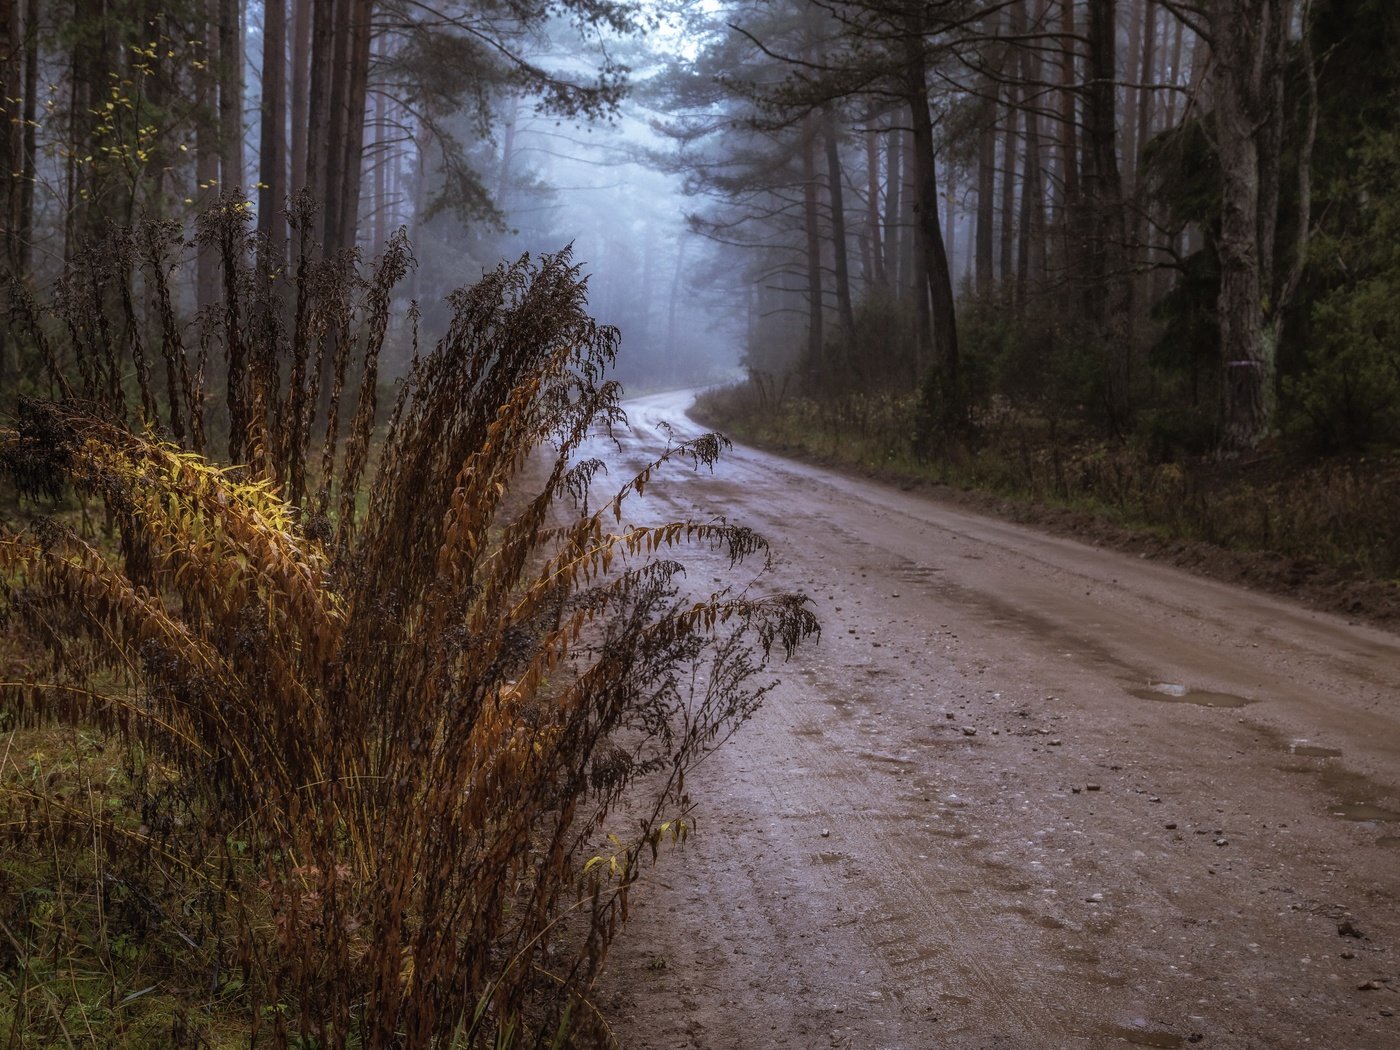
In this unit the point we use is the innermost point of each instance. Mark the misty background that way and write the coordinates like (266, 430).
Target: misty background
(500, 172)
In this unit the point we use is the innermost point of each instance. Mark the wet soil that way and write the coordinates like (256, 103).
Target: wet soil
(1025, 792)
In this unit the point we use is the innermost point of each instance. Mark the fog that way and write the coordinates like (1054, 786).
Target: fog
(601, 187)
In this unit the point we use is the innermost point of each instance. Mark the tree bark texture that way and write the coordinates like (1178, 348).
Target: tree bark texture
(844, 311)
(1030, 255)
(272, 139)
(1069, 96)
(1246, 85)
(319, 103)
(359, 38)
(230, 97)
(951, 221)
(893, 182)
(11, 108)
(908, 222)
(206, 148)
(872, 179)
(812, 225)
(378, 155)
(1015, 24)
(1141, 241)
(986, 203)
(933, 251)
(300, 89)
(1131, 13)
(1106, 279)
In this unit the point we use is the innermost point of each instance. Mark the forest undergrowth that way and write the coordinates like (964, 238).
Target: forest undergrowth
(326, 725)
(1320, 527)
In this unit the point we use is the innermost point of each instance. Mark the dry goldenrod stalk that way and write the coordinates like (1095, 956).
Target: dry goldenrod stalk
(412, 688)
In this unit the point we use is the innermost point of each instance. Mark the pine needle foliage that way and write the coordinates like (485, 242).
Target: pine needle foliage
(401, 679)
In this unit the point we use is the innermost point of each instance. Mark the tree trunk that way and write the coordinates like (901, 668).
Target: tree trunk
(1069, 118)
(1145, 99)
(1006, 227)
(11, 107)
(360, 36)
(1028, 239)
(507, 151)
(1141, 241)
(156, 166)
(1127, 72)
(1269, 128)
(908, 224)
(812, 222)
(893, 181)
(300, 90)
(336, 114)
(918, 295)
(379, 154)
(12, 177)
(1106, 285)
(1015, 25)
(31, 151)
(1248, 40)
(646, 292)
(940, 282)
(319, 103)
(1171, 75)
(230, 97)
(844, 311)
(272, 152)
(1178, 35)
(986, 205)
(206, 151)
(672, 325)
(1030, 256)
(91, 190)
(951, 224)
(422, 143)
(872, 179)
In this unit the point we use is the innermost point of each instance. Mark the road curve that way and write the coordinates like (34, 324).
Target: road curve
(1023, 793)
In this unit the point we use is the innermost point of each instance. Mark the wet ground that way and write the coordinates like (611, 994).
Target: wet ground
(1024, 792)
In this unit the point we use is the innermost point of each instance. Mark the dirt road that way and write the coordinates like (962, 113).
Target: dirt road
(1023, 793)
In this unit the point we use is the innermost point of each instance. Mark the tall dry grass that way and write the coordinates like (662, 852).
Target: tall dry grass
(382, 687)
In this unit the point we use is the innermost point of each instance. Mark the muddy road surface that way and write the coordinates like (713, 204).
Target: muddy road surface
(1023, 793)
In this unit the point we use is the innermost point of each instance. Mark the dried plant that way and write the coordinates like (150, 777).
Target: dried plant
(411, 677)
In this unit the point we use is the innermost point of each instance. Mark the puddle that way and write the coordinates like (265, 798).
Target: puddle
(1350, 792)
(1393, 841)
(1144, 1037)
(1363, 812)
(1171, 692)
(1354, 796)
(1305, 750)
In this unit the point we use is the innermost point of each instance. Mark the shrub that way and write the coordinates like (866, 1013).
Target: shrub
(399, 704)
(1346, 395)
